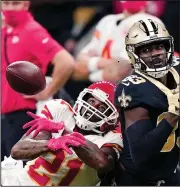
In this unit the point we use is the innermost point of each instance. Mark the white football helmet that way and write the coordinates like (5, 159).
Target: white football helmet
(104, 92)
(146, 32)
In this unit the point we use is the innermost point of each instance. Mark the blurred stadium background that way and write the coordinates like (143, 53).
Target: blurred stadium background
(71, 23)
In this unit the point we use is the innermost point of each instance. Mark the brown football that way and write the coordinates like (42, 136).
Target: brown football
(25, 77)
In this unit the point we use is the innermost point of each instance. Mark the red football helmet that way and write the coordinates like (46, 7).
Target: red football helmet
(133, 6)
(104, 92)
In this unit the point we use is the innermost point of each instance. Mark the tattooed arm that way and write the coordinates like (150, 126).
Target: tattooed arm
(28, 148)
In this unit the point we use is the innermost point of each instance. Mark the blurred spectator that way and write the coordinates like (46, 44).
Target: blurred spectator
(99, 59)
(155, 8)
(23, 39)
(168, 11)
(134, 7)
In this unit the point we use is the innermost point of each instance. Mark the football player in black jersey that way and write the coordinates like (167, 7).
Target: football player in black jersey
(149, 102)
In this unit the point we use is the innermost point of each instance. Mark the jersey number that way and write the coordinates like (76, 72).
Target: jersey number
(54, 167)
(134, 79)
(170, 143)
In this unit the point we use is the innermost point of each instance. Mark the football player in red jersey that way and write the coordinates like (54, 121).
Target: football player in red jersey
(67, 157)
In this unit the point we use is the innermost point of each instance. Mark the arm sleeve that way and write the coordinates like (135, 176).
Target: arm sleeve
(146, 141)
(42, 46)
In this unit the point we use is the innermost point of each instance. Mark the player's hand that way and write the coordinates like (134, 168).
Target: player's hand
(65, 142)
(42, 124)
(174, 103)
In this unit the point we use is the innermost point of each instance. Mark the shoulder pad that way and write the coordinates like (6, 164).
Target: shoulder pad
(136, 91)
(128, 91)
(59, 110)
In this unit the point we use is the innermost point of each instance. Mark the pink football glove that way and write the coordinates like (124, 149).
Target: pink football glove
(64, 142)
(42, 124)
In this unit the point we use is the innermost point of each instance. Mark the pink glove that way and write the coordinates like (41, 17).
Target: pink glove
(74, 139)
(42, 124)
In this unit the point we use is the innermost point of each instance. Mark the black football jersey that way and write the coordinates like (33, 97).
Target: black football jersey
(138, 90)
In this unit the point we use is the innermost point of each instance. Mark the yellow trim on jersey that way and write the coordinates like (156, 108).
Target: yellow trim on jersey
(161, 86)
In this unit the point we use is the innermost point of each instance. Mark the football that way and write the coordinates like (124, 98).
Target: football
(25, 77)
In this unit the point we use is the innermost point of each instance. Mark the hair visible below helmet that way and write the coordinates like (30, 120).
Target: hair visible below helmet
(134, 6)
(148, 32)
(104, 92)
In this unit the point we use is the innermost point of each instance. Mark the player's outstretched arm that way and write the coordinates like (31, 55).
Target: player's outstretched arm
(145, 141)
(101, 159)
(28, 148)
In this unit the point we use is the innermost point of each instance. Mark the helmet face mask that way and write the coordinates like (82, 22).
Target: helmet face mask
(153, 61)
(95, 113)
(145, 37)
(93, 109)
